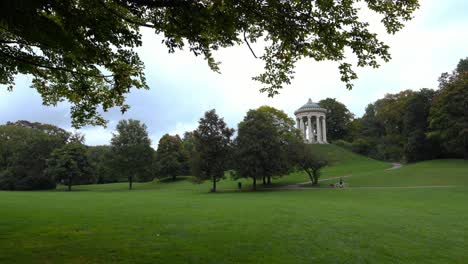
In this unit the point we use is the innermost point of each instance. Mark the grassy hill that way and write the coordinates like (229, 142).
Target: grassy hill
(342, 162)
(427, 173)
(180, 222)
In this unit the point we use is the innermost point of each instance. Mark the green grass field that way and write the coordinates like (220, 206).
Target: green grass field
(371, 221)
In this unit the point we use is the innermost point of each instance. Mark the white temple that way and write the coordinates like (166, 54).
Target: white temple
(311, 121)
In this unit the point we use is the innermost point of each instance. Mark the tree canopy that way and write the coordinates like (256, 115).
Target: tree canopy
(131, 148)
(338, 118)
(258, 147)
(69, 164)
(213, 142)
(84, 51)
(23, 154)
(449, 114)
(170, 157)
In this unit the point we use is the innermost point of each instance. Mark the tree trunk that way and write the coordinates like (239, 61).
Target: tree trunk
(130, 182)
(69, 183)
(173, 177)
(214, 185)
(264, 181)
(269, 180)
(315, 178)
(312, 180)
(466, 144)
(254, 183)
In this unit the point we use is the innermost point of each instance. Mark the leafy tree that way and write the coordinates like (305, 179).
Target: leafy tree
(308, 161)
(338, 118)
(188, 150)
(101, 161)
(212, 147)
(354, 129)
(69, 164)
(48, 129)
(170, 157)
(448, 119)
(257, 147)
(23, 154)
(132, 150)
(371, 127)
(383, 127)
(415, 122)
(83, 51)
(284, 126)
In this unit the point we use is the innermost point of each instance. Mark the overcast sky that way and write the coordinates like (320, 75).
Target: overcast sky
(183, 87)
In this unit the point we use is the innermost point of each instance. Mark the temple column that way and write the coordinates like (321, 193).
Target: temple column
(304, 128)
(324, 130)
(311, 133)
(298, 123)
(300, 127)
(319, 129)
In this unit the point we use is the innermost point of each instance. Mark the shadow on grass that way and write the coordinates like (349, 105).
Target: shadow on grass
(177, 179)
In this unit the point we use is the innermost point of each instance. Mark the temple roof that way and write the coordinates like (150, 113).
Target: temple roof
(310, 107)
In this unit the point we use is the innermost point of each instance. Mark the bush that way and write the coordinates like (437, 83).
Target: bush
(22, 180)
(343, 144)
(361, 146)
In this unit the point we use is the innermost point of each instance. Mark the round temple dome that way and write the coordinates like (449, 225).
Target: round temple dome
(310, 107)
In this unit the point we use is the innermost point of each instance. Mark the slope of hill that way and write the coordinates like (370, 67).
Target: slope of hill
(342, 162)
(427, 173)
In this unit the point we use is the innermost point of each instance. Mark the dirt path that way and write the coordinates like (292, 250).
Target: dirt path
(298, 187)
(395, 166)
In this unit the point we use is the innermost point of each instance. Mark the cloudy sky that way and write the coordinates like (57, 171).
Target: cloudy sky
(183, 87)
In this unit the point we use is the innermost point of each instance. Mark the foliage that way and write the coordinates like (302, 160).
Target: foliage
(258, 147)
(48, 129)
(415, 122)
(84, 51)
(308, 160)
(69, 165)
(170, 157)
(417, 125)
(188, 150)
(449, 113)
(101, 161)
(23, 154)
(338, 118)
(212, 147)
(131, 148)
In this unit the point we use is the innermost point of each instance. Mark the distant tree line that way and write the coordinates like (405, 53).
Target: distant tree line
(36, 156)
(408, 126)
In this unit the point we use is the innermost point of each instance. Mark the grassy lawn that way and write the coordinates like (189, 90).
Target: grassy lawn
(180, 222)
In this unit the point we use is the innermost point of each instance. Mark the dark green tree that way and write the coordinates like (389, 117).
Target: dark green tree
(131, 148)
(257, 147)
(23, 154)
(101, 161)
(51, 130)
(415, 127)
(84, 51)
(170, 158)
(307, 160)
(212, 148)
(448, 119)
(188, 150)
(69, 164)
(284, 126)
(338, 118)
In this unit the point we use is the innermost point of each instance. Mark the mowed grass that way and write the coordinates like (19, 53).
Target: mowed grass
(341, 163)
(180, 222)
